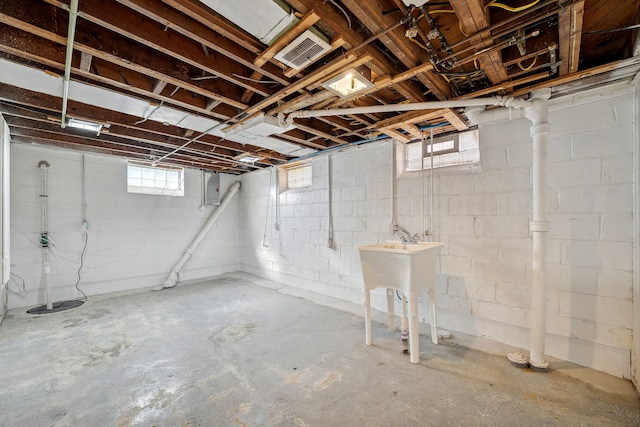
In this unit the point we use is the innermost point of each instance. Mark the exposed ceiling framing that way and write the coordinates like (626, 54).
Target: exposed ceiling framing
(171, 78)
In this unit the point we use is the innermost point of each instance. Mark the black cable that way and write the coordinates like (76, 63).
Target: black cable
(84, 249)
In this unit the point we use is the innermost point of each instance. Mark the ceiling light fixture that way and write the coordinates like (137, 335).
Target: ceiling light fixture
(85, 125)
(348, 83)
(248, 158)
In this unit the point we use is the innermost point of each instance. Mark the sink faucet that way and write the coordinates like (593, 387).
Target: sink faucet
(408, 238)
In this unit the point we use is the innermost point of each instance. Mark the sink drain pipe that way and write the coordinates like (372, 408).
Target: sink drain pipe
(172, 280)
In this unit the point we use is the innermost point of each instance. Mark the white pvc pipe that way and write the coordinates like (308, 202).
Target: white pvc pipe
(172, 280)
(422, 233)
(460, 103)
(539, 116)
(538, 113)
(44, 239)
(431, 190)
(73, 14)
(480, 115)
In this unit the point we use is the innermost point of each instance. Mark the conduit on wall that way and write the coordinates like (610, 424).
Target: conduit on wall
(536, 110)
(73, 14)
(172, 280)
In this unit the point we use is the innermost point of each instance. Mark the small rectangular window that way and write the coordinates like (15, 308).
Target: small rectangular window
(167, 181)
(456, 149)
(298, 177)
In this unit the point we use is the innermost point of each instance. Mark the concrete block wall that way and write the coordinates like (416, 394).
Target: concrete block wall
(296, 250)
(482, 214)
(133, 239)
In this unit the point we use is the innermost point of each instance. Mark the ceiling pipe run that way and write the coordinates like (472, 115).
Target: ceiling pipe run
(502, 101)
(71, 33)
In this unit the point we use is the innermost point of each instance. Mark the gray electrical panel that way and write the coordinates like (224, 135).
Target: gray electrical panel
(212, 191)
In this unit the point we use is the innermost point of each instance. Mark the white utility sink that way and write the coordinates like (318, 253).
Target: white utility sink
(409, 268)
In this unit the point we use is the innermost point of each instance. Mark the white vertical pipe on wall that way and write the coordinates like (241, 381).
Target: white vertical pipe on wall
(44, 237)
(431, 190)
(539, 116)
(422, 233)
(537, 111)
(172, 280)
(635, 350)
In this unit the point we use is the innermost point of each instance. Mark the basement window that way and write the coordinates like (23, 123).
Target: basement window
(448, 150)
(296, 177)
(160, 180)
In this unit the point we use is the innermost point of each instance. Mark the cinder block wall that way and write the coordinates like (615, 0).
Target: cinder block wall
(133, 239)
(482, 215)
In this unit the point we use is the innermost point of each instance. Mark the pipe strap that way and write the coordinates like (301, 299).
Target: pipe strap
(540, 226)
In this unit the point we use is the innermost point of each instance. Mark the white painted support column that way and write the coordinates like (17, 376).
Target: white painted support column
(539, 116)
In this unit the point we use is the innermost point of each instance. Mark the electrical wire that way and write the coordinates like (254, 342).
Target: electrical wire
(255, 80)
(22, 290)
(84, 250)
(342, 10)
(150, 114)
(420, 44)
(512, 9)
(523, 68)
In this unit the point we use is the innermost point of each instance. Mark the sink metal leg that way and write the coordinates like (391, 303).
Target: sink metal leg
(391, 309)
(432, 311)
(367, 316)
(414, 349)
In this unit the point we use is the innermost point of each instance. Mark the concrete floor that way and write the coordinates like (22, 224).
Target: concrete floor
(226, 352)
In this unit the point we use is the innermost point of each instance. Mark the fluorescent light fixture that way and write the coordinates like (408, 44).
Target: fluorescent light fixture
(85, 125)
(248, 158)
(348, 83)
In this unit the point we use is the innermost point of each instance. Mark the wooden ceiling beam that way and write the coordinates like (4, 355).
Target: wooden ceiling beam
(333, 22)
(474, 18)
(37, 101)
(199, 12)
(570, 20)
(324, 135)
(371, 14)
(20, 125)
(338, 63)
(130, 57)
(204, 34)
(121, 21)
(302, 140)
(125, 80)
(118, 151)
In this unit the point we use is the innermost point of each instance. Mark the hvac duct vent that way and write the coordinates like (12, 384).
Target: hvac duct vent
(303, 50)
